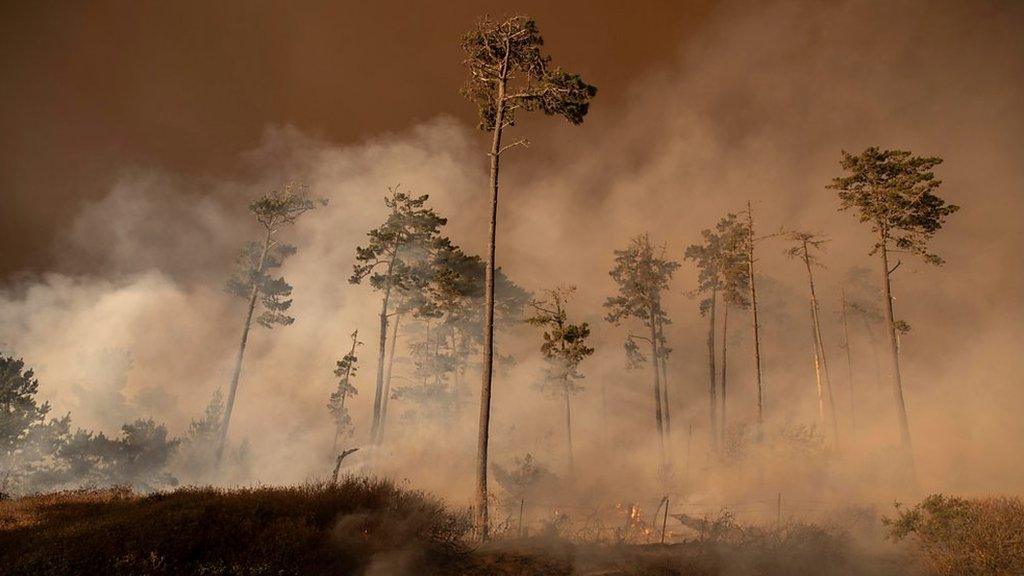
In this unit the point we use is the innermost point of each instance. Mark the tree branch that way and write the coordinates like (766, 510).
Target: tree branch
(524, 142)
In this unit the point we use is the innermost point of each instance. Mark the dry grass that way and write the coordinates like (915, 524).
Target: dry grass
(311, 529)
(362, 526)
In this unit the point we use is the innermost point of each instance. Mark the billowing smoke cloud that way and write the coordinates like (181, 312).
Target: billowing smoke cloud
(757, 107)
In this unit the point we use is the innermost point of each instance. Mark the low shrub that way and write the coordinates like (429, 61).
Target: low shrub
(965, 536)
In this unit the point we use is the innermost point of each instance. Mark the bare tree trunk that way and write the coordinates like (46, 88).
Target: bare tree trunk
(381, 346)
(819, 345)
(438, 336)
(755, 326)
(689, 441)
(386, 396)
(664, 394)
(604, 414)
(253, 295)
(817, 380)
(566, 390)
(849, 361)
(897, 380)
(874, 353)
(337, 426)
(481, 520)
(657, 381)
(568, 431)
(713, 385)
(725, 362)
(663, 364)
(460, 365)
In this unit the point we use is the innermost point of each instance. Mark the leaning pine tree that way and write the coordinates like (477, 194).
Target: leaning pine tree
(345, 371)
(252, 282)
(894, 192)
(509, 74)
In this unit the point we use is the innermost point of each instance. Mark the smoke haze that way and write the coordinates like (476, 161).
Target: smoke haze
(756, 105)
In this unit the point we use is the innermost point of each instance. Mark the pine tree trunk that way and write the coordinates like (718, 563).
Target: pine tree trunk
(713, 384)
(481, 519)
(897, 380)
(566, 391)
(426, 343)
(381, 347)
(253, 295)
(849, 362)
(657, 382)
(819, 346)
(337, 426)
(663, 363)
(756, 327)
(386, 397)
(817, 380)
(460, 366)
(874, 353)
(664, 395)
(604, 414)
(568, 431)
(725, 363)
